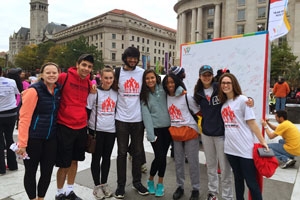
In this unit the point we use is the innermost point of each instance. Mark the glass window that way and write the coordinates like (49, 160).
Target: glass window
(211, 11)
(113, 56)
(154, 50)
(261, 12)
(113, 45)
(143, 40)
(122, 37)
(210, 23)
(132, 38)
(147, 49)
(240, 29)
(138, 39)
(154, 60)
(241, 2)
(241, 14)
(122, 46)
(113, 36)
(261, 1)
(210, 35)
(148, 41)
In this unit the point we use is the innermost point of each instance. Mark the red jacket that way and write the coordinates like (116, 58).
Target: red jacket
(72, 112)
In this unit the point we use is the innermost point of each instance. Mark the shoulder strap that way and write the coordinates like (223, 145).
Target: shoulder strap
(117, 73)
(63, 85)
(96, 115)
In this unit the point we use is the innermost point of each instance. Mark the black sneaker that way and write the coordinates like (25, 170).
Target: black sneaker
(60, 197)
(195, 195)
(119, 194)
(178, 193)
(72, 196)
(140, 188)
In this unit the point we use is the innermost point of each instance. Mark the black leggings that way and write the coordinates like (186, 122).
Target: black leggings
(41, 152)
(160, 148)
(104, 146)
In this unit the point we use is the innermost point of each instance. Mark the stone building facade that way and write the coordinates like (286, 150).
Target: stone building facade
(114, 31)
(208, 19)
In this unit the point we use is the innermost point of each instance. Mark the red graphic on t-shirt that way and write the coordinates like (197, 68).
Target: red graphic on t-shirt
(108, 105)
(228, 115)
(175, 113)
(131, 86)
(208, 98)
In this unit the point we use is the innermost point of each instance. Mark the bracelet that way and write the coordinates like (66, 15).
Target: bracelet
(265, 127)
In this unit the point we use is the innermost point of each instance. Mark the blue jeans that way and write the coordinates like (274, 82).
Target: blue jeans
(280, 103)
(280, 153)
(244, 169)
(136, 132)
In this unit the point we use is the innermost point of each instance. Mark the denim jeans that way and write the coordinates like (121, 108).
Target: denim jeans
(280, 153)
(244, 169)
(136, 132)
(280, 103)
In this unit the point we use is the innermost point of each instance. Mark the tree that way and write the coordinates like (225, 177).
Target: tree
(27, 58)
(283, 63)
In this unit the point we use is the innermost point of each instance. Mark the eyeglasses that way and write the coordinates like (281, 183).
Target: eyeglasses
(226, 83)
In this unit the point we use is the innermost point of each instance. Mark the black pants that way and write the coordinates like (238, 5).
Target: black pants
(41, 152)
(7, 125)
(104, 146)
(160, 148)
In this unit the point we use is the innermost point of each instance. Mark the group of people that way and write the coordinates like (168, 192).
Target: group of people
(59, 110)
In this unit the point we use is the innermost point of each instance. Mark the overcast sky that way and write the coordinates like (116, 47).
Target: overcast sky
(15, 13)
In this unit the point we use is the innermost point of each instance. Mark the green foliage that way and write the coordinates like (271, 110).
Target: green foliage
(284, 63)
(27, 58)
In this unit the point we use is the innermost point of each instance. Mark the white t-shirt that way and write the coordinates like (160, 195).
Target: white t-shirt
(107, 100)
(239, 140)
(179, 112)
(8, 91)
(130, 85)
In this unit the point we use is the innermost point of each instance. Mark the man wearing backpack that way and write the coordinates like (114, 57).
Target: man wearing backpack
(72, 123)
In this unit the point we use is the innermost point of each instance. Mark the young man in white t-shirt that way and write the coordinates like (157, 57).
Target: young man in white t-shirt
(129, 121)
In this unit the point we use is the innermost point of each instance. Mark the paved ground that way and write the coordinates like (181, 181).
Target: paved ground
(282, 186)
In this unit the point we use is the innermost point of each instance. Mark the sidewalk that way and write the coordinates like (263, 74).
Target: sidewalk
(284, 184)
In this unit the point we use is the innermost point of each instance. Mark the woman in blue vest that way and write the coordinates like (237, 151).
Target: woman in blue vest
(37, 130)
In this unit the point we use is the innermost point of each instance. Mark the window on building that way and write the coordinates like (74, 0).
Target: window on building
(148, 41)
(113, 45)
(143, 40)
(154, 58)
(241, 14)
(163, 44)
(261, 1)
(132, 38)
(211, 11)
(210, 35)
(154, 50)
(159, 44)
(241, 2)
(154, 43)
(122, 46)
(282, 40)
(170, 46)
(101, 44)
(261, 12)
(143, 48)
(163, 60)
(101, 36)
(147, 49)
(113, 56)
(163, 52)
(210, 23)
(138, 39)
(122, 37)
(240, 29)
(96, 37)
(113, 36)
(158, 51)
(138, 47)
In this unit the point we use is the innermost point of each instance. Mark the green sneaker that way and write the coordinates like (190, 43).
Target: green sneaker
(160, 190)
(151, 187)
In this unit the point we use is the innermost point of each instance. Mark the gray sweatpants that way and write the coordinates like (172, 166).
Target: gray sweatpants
(214, 153)
(190, 149)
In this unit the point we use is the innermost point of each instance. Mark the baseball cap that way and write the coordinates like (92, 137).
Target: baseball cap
(87, 57)
(206, 68)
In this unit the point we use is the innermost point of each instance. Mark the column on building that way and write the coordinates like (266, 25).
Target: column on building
(193, 25)
(183, 28)
(178, 34)
(217, 21)
(199, 24)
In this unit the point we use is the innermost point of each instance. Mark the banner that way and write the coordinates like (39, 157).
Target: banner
(157, 70)
(278, 24)
(166, 64)
(144, 61)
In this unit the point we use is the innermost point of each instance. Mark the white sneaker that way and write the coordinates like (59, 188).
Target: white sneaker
(106, 190)
(144, 168)
(288, 163)
(98, 193)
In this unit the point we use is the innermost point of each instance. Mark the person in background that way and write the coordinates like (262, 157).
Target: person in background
(289, 146)
(182, 120)
(104, 109)
(37, 134)
(24, 79)
(129, 122)
(72, 124)
(272, 103)
(240, 132)
(8, 114)
(206, 95)
(281, 90)
(32, 78)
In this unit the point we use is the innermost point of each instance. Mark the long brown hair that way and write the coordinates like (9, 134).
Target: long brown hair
(236, 88)
(144, 96)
